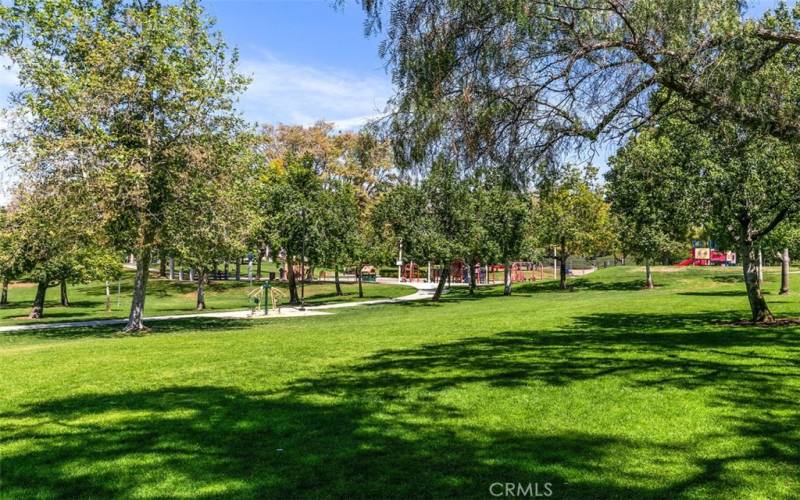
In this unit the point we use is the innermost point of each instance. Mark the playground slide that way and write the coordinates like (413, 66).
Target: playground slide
(686, 262)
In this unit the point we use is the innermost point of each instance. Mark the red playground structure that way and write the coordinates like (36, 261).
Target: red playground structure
(709, 257)
(411, 272)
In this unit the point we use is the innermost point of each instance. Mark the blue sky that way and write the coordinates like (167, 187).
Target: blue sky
(308, 60)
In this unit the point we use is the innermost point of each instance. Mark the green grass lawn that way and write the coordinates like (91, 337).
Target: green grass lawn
(166, 297)
(606, 391)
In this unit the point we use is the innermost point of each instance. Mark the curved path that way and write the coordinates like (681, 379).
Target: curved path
(285, 312)
(424, 291)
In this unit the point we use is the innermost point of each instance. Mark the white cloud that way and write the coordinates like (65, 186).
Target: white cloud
(300, 94)
(356, 121)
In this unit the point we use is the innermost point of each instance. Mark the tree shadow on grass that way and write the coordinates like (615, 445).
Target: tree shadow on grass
(222, 442)
(548, 286)
(376, 426)
(646, 349)
(320, 299)
(461, 294)
(717, 293)
(54, 313)
(162, 288)
(587, 283)
(181, 325)
(728, 278)
(752, 374)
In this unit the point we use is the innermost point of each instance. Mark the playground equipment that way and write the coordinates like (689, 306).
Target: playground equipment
(482, 275)
(459, 271)
(520, 272)
(492, 273)
(517, 274)
(299, 270)
(410, 272)
(705, 256)
(263, 296)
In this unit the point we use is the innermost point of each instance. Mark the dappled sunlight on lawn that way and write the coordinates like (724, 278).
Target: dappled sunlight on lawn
(605, 391)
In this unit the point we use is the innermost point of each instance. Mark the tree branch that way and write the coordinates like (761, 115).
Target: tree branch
(790, 38)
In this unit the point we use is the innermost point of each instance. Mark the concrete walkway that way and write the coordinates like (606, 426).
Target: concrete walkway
(424, 291)
(285, 312)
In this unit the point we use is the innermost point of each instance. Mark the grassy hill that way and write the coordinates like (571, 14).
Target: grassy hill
(606, 391)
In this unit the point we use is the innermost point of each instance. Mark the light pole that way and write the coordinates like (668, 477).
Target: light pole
(400, 262)
(250, 268)
(303, 262)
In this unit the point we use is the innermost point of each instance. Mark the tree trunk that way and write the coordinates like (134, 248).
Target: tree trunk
(563, 262)
(64, 297)
(4, 293)
(38, 302)
(443, 276)
(358, 277)
(162, 265)
(758, 306)
(506, 278)
(472, 278)
(239, 269)
(784, 258)
(172, 268)
(136, 317)
(760, 268)
(648, 272)
(225, 271)
(108, 296)
(201, 288)
(336, 280)
(258, 264)
(293, 299)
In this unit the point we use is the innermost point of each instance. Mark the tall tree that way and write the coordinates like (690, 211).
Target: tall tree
(57, 240)
(480, 246)
(290, 192)
(365, 162)
(504, 216)
(340, 230)
(572, 217)
(448, 195)
(654, 207)
(403, 218)
(212, 217)
(118, 91)
(749, 183)
(430, 220)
